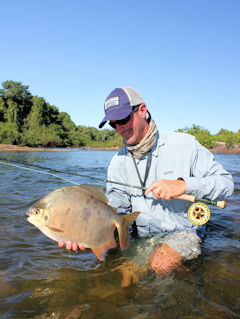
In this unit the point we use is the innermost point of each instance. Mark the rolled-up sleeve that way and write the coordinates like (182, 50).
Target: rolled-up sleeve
(208, 178)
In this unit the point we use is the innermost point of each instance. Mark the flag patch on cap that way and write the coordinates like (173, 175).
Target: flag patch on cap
(112, 101)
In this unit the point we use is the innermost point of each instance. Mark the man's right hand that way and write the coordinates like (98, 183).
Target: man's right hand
(167, 189)
(70, 245)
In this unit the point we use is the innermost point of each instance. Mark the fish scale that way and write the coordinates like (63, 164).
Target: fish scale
(81, 214)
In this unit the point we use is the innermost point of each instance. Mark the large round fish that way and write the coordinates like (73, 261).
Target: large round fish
(81, 214)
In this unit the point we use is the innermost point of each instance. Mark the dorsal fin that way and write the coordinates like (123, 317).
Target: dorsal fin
(98, 191)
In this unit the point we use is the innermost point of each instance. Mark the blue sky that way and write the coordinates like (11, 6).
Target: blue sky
(182, 56)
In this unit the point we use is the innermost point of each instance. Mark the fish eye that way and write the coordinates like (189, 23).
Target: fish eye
(35, 212)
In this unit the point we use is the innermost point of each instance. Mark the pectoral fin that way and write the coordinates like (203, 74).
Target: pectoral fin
(55, 230)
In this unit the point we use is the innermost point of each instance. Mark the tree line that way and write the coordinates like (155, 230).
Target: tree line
(208, 140)
(29, 120)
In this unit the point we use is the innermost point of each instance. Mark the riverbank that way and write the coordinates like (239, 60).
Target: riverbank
(9, 147)
(220, 148)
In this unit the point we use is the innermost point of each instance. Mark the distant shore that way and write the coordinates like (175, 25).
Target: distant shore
(220, 148)
(10, 147)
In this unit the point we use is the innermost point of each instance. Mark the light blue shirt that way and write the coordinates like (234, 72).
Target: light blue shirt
(174, 155)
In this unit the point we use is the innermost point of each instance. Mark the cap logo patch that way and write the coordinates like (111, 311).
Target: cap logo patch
(112, 101)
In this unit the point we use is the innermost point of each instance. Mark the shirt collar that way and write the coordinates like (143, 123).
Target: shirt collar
(159, 142)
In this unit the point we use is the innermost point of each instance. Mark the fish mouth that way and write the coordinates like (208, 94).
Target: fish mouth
(27, 214)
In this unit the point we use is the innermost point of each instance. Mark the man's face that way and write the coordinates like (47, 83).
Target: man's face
(136, 128)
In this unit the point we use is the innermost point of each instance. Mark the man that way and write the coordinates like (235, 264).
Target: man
(165, 165)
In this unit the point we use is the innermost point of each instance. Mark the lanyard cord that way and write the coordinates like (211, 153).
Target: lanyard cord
(143, 183)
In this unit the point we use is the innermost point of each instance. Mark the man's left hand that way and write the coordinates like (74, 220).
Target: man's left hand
(167, 189)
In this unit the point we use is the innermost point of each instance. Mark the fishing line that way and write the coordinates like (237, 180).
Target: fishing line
(16, 164)
(34, 170)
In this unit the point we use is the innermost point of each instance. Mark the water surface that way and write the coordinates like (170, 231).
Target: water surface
(40, 280)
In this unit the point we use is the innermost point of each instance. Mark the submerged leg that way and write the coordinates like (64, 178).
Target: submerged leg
(131, 272)
(164, 259)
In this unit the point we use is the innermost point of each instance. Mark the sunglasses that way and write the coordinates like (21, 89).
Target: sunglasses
(126, 119)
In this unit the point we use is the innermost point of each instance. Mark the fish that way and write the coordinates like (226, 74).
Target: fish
(81, 214)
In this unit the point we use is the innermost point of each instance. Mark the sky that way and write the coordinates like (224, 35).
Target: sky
(183, 56)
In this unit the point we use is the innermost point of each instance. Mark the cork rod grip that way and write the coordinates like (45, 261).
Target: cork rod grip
(191, 198)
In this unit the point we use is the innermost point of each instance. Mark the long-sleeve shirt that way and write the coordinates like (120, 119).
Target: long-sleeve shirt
(174, 155)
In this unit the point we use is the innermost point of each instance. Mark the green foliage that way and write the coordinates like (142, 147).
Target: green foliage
(16, 102)
(31, 121)
(202, 135)
(228, 137)
(92, 137)
(205, 138)
(9, 133)
(15, 91)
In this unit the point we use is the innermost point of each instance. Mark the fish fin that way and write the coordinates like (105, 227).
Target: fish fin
(56, 230)
(123, 229)
(98, 191)
(114, 209)
(101, 251)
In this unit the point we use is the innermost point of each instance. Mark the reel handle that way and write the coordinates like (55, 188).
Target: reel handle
(193, 199)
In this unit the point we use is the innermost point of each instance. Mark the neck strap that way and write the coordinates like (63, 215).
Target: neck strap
(143, 183)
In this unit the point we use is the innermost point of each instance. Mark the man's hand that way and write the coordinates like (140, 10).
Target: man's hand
(167, 189)
(70, 245)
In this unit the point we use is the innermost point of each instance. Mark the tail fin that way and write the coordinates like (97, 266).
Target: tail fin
(122, 228)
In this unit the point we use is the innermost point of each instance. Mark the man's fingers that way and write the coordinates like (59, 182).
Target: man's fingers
(148, 191)
(151, 187)
(69, 245)
(74, 246)
(61, 244)
(167, 189)
(82, 247)
(161, 193)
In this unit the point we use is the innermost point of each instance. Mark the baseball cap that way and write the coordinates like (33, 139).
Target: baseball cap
(119, 104)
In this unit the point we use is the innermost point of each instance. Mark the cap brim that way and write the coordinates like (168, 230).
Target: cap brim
(102, 124)
(114, 116)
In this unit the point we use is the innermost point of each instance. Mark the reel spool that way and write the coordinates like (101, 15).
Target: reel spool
(199, 213)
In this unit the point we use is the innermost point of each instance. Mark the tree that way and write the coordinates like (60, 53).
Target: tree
(202, 135)
(9, 133)
(17, 101)
(228, 137)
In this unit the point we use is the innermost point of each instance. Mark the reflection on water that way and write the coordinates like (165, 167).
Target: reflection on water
(40, 280)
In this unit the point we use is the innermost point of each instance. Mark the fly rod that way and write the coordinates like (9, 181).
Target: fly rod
(16, 164)
(198, 212)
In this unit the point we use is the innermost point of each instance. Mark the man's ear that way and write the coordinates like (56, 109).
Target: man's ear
(143, 110)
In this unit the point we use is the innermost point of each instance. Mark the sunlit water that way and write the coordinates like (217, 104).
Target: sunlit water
(40, 280)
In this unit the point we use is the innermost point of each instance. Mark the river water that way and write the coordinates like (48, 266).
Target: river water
(40, 280)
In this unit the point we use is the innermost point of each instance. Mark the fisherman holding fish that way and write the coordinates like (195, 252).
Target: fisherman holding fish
(165, 165)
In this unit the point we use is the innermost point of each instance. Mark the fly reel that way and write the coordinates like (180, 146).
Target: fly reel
(199, 213)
